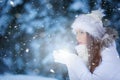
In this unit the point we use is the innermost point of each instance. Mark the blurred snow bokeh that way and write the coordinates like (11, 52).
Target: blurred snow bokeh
(30, 30)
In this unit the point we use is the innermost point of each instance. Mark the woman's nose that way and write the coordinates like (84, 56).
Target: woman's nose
(78, 38)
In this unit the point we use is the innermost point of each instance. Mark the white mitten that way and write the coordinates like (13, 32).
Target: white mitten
(63, 56)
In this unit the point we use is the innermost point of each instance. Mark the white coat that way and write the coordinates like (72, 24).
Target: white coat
(109, 68)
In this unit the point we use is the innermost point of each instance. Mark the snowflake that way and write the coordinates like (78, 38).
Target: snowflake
(6, 37)
(49, 6)
(22, 49)
(10, 26)
(24, 44)
(34, 37)
(76, 16)
(52, 71)
(12, 3)
(106, 19)
(9, 33)
(15, 26)
(27, 50)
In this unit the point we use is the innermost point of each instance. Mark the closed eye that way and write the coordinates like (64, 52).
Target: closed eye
(81, 32)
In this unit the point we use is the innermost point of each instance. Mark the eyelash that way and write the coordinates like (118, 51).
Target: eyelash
(80, 32)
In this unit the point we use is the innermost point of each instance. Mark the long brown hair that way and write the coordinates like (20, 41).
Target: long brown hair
(95, 46)
(94, 50)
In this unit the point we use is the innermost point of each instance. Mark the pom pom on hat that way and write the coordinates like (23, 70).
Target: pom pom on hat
(97, 14)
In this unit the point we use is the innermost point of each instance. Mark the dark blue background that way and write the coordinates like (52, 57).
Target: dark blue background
(30, 30)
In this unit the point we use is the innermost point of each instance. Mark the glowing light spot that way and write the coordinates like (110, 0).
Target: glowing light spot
(76, 16)
(52, 71)
(12, 3)
(61, 55)
(27, 50)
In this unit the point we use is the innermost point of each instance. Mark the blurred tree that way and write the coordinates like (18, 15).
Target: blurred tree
(31, 29)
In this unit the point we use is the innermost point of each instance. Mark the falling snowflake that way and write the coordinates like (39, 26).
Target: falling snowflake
(106, 19)
(10, 26)
(6, 37)
(24, 44)
(12, 3)
(27, 50)
(49, 6)
(15, 26)
(76, 16)
(9, 33)
(34, 37)
(22, 49)
(52, 71)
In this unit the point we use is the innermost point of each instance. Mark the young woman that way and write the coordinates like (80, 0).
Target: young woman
(97, 57)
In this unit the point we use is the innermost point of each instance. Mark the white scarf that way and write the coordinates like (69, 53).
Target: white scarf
(82, 52)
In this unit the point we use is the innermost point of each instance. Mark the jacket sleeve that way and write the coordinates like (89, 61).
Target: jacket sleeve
(79, 69)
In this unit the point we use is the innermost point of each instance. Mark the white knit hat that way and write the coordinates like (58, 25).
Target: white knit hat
(91, 23)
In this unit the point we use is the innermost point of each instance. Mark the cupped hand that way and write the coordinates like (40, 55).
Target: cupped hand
(63, 56)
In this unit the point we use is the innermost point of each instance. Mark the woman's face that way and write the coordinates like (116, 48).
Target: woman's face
(81, 37)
